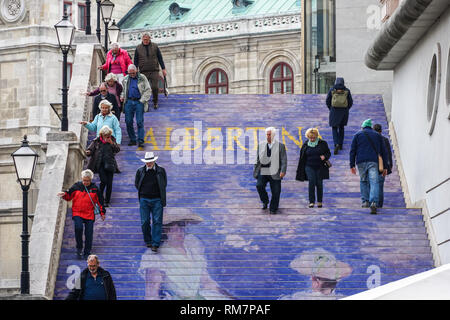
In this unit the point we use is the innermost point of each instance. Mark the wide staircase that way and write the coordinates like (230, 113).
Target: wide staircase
(218, 242)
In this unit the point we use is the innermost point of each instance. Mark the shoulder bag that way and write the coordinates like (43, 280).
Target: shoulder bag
(380, 159)
(96, 206)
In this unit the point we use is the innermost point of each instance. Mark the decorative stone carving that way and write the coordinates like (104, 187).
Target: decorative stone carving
(215, 28)
(156, 34)
(276, 21)
(12, 11)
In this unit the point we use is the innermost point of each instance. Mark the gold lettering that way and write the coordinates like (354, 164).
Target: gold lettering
(210, 137)
(152, 139)
(188, 138)
(298, 142)
(168, 136)
(231, 138)
(255, 135)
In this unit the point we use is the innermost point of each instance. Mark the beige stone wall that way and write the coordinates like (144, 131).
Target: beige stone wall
(247, 62)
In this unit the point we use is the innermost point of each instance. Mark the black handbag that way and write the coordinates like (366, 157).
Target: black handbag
(327, 163)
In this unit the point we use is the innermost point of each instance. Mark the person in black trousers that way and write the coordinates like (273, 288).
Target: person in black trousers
(339, 101)
(312, 165)
(388, 165)
(102, 151)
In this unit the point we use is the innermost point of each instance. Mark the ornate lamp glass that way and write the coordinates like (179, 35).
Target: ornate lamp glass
(65, 32)
(25, 162)
(114, 31)
(107, 9)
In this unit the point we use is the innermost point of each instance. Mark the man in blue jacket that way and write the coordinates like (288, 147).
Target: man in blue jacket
(366, 146)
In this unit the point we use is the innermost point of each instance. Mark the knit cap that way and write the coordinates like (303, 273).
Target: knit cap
(367, 123)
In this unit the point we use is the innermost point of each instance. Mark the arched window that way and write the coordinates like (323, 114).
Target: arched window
(281, 79)
(216, 82)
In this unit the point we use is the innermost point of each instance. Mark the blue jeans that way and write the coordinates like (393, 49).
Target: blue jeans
(275, 189)
(88, 233)
(152, 233)
(369, 181)
(381, 194)
(338, 135)
(132, 108)
(314, 182)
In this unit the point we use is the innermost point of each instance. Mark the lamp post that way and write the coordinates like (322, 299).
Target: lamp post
(88, 17)
(107, 8)
(316, 71)
(98, 21)
(25, 162)
(114, 31)
(65, 32)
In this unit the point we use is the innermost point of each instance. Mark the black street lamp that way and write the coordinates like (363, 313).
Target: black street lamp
(98, 21)
(65, 32)
(25, 162)
(107, 8)
(316, 71)
(88, 17)
(114, 31)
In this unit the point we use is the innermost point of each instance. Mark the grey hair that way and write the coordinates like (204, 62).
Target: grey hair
(105, 130)
(105, 102)
(146, 34)
(272, 130)
(91, 257)
(87, 173)
(110, 76)
(115, 45)
(132, 66)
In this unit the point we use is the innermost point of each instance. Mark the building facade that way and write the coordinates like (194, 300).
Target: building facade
(222, 47)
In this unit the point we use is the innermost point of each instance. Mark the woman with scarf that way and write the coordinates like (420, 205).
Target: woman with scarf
(102, 151)
(312, 165)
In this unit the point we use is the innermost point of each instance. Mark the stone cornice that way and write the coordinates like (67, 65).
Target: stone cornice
(212, 30)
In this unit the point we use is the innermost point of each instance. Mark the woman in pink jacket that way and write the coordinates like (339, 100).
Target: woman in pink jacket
(117, 62)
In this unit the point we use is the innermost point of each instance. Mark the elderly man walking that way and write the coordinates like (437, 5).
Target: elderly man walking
(270, 167)
(367, 146)
(148, 58)
(94, 283)
(151, 182)
(135, 96)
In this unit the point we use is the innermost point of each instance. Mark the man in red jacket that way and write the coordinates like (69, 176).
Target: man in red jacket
(84, 195)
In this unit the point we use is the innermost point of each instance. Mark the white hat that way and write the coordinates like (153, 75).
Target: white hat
(149, 157)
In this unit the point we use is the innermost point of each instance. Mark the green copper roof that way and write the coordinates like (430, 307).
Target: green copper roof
(148, 14)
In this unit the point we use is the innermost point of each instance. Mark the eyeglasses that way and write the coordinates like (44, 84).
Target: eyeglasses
(103, 90)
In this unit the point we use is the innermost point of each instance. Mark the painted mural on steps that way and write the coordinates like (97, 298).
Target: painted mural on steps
(218, 242)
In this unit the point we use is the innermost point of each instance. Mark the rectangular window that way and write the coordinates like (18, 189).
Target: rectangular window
(68, 9)
(82, 16)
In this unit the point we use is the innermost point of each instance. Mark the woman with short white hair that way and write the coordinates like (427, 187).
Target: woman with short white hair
(102, 160)
(105, 118)
(85, 197)
(117, 61)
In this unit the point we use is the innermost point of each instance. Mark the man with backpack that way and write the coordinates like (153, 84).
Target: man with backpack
(339, 101)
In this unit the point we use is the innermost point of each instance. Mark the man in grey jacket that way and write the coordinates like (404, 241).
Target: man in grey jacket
(270, 167)
(135, 95)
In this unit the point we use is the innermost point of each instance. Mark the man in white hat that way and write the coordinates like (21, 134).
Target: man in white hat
(151, 182)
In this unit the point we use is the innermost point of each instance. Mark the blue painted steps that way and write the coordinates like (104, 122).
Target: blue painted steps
(223, 245)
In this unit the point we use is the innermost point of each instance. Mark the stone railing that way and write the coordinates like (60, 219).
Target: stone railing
(206, 31)
(65, 152)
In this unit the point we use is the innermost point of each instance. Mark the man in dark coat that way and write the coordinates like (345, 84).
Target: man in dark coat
(367, 145)
(105, 95)
(338, 114)
(94, 283)
(388, 165)
(151, 182)
(148, 58)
